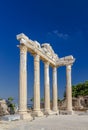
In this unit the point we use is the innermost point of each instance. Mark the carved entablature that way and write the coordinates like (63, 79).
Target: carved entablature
(45, 51)
(67, 60)
(49, 51)
(37, 44)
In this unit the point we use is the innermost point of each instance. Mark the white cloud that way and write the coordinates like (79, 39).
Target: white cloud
(60, 35)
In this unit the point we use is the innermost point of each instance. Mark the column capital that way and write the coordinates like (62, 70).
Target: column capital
(23, 48)
(46, 63)
(36, 57)
(69, 66)
(54, 69)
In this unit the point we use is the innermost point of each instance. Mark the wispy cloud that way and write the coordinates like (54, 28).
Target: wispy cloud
(60, 35)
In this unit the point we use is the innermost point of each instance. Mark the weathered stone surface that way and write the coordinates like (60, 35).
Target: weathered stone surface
(55, 90)
(37, 111)
(50, 58)
(49, 51)
(23, 80)
(80, 103)
(45, 51)
(11, 117)
(47, 87)
(62, 122)
(68, 88)
(3, 107)
(25, 116)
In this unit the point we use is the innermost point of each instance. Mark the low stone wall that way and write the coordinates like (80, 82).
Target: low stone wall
(79, 103)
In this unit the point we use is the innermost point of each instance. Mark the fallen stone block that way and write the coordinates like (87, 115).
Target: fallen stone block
(11, 117)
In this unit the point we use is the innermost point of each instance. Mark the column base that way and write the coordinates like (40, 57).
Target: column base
(50, 112)
(25, 116)
(37, 113)
(66, 112)
(70, 112)
(56, 112)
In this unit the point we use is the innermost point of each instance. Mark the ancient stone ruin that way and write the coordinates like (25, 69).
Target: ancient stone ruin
(45, 53)
(3, 108)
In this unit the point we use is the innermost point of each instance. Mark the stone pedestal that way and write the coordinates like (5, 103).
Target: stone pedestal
(26, 116)
(68, 89)
(47, 88)
(23, 82)
(37, 111)
(55, 109)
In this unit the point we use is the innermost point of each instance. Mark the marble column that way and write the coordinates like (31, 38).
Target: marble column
(47, 88)
(37, 111)
(55, 108)
(68, 88)
(23, 80)
(23, 84)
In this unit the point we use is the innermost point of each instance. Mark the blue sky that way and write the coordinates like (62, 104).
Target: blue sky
(62, 23)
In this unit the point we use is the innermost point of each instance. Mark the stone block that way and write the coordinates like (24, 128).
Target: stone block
(11, 117)
(37, 114)
(25, 116)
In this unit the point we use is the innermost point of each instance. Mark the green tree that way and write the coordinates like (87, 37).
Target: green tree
(11, 105)
(42, 99)
(32, 99)
(10, 99)
(80, 89)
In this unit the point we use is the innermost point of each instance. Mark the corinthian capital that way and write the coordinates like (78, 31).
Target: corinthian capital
(23, 48)
(69, 66)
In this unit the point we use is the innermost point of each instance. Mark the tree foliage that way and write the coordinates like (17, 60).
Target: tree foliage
(42, 99)
(11, 105)
(80, 89)
(10, 99)
(32, 99)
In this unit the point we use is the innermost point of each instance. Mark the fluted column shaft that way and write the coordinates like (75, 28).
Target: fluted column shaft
(54, 89)
(36, 82)
(68, 88)
(23, 80)
(47, 86)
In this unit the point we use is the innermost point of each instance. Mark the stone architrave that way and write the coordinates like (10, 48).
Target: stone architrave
(47, 88)
(23, 83)
(37, 111)
(55, 108)
(68, 88)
